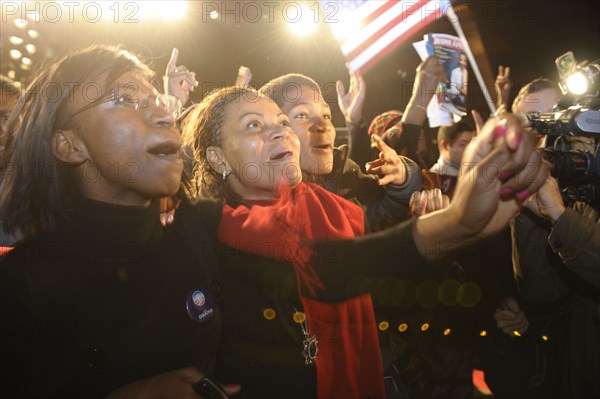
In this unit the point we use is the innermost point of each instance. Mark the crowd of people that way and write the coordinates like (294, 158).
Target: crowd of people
(231, 249)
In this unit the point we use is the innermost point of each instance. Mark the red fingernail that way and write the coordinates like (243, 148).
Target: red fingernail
(522, 195)
(506, 192)
(517, 140)
(505, 175)
(500, 129)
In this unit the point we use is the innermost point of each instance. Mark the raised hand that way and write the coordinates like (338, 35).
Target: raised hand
(503, 85)
(427, 201)
(500, 170)
(178, 80)
(428, 74)
(389, 165)
(244, 77)
(351, 103)
(479, 122)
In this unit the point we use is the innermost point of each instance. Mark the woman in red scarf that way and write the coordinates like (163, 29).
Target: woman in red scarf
(290, 244)
(249, 157)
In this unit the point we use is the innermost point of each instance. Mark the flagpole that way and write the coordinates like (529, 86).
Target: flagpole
(456, 24)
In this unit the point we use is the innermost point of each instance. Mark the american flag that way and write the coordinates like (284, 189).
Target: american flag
(368, 30)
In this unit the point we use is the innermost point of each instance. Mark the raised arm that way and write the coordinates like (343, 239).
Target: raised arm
(178, 80)
(351, 105)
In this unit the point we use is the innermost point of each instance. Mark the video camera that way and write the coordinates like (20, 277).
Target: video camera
(573, 130)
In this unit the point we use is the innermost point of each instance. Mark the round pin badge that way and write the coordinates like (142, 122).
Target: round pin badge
(199, 306)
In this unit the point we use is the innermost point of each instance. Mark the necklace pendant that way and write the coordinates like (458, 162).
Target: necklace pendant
(311, 349)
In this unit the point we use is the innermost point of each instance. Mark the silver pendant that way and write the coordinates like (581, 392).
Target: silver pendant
(311, 350)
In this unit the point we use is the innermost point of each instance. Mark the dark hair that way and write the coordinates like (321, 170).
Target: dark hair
(203, 128)
(35, 191)
(534, 86)
(450, 133)
(286, 89)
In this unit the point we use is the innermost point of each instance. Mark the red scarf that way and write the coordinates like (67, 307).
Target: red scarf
(349, 361)
(5, 250)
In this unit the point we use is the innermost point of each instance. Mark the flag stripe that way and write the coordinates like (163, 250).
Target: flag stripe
(369, 64)
(381, 25)
(401, 18)
(385, 5)
(392, 36)
(368, 31)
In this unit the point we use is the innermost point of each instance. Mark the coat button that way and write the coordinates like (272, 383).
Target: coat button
(93, 359)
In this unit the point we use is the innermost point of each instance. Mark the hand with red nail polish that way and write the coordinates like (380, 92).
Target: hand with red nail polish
(500, 129)
(483, 205)
(504, 175)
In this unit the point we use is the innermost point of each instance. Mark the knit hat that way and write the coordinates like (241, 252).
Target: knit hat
(387, 126)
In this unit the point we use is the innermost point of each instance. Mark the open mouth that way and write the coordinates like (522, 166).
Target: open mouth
(281, 155)
(323, 147)
(165, 150)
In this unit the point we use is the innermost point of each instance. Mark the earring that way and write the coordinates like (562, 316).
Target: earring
(225, 174)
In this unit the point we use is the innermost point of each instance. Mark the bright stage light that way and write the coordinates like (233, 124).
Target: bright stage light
(26, 61)
(302, 21)
(168, 10)
(214, 14)
(20, 23)
(11, 74)
(174, 10)
(346, 25)
(15, 54)
(31, 49)
(15, 40)
(32, 15)
(34, 34)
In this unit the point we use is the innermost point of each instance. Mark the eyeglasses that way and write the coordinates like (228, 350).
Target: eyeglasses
(167, 102)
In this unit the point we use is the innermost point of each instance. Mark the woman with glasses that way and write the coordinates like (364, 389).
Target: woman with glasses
(101, 298)
(100, 295)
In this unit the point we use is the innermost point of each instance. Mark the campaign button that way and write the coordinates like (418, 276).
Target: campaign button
(199, 306)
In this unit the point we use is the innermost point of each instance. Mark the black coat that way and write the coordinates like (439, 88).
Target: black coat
(101, 302)
(262, 350)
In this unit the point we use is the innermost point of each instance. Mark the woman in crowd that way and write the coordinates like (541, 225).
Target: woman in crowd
(245, 147)
(385, 200)
(99, 295)
(100, 298)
